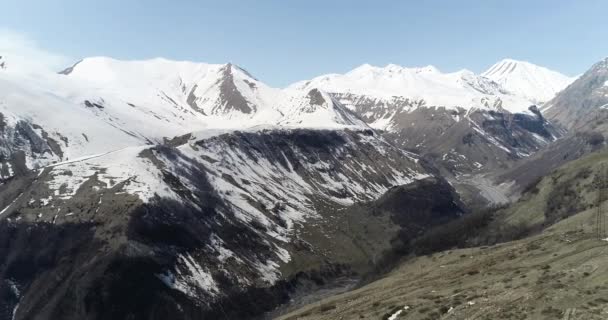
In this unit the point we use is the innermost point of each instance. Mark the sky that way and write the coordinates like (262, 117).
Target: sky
(284, 41)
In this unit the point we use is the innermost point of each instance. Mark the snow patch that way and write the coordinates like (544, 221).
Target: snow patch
(137, 175)
(189, 277)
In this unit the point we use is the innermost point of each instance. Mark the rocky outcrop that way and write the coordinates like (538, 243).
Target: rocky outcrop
(24, 145)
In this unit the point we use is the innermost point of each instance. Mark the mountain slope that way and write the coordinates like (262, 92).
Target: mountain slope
(40, 128)
(580, 110)
(516, 85)
(551, 275)
(198, 96)
(582, 105)
(102, 105)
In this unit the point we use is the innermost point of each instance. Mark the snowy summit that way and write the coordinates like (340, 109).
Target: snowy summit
(536, 83)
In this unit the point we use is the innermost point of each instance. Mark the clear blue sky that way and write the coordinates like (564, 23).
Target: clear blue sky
(284, 41)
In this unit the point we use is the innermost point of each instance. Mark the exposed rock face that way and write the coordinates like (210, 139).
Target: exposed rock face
(316, 98)
(23, 145)
(569, 148)
(461, 141)
(70, 69)
(230, 98)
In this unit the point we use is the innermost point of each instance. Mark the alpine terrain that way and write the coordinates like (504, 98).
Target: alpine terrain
(160, 189)
(541, 256)
(155, 189)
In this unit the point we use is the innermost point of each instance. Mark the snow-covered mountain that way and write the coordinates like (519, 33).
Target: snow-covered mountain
(513, 90)
(199, 96)
(102, 105)
(465, 121)
(191, 188)
(538, 84)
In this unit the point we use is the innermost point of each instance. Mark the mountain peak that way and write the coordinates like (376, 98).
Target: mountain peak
(184, 95)
(601, 65)
(507, 66)
(527, 79)
(365, 66)
(427, 85)
(107, 70)
(428, 69)
(231, 67)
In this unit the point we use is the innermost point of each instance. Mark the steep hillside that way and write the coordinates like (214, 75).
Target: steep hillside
(466, 142)
(201, 223)
(570, 189)
(570, 147)
(580, 110)
(159, 189)
(528, 80)
(582, 106)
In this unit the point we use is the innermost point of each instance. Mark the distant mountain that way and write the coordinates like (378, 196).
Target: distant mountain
(101, 105)
(538, 84)
(463, 121)
(580, 110)
(188, 96)
(425, 86)
(509, 84)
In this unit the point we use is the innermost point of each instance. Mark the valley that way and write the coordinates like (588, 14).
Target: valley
(557, 270)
